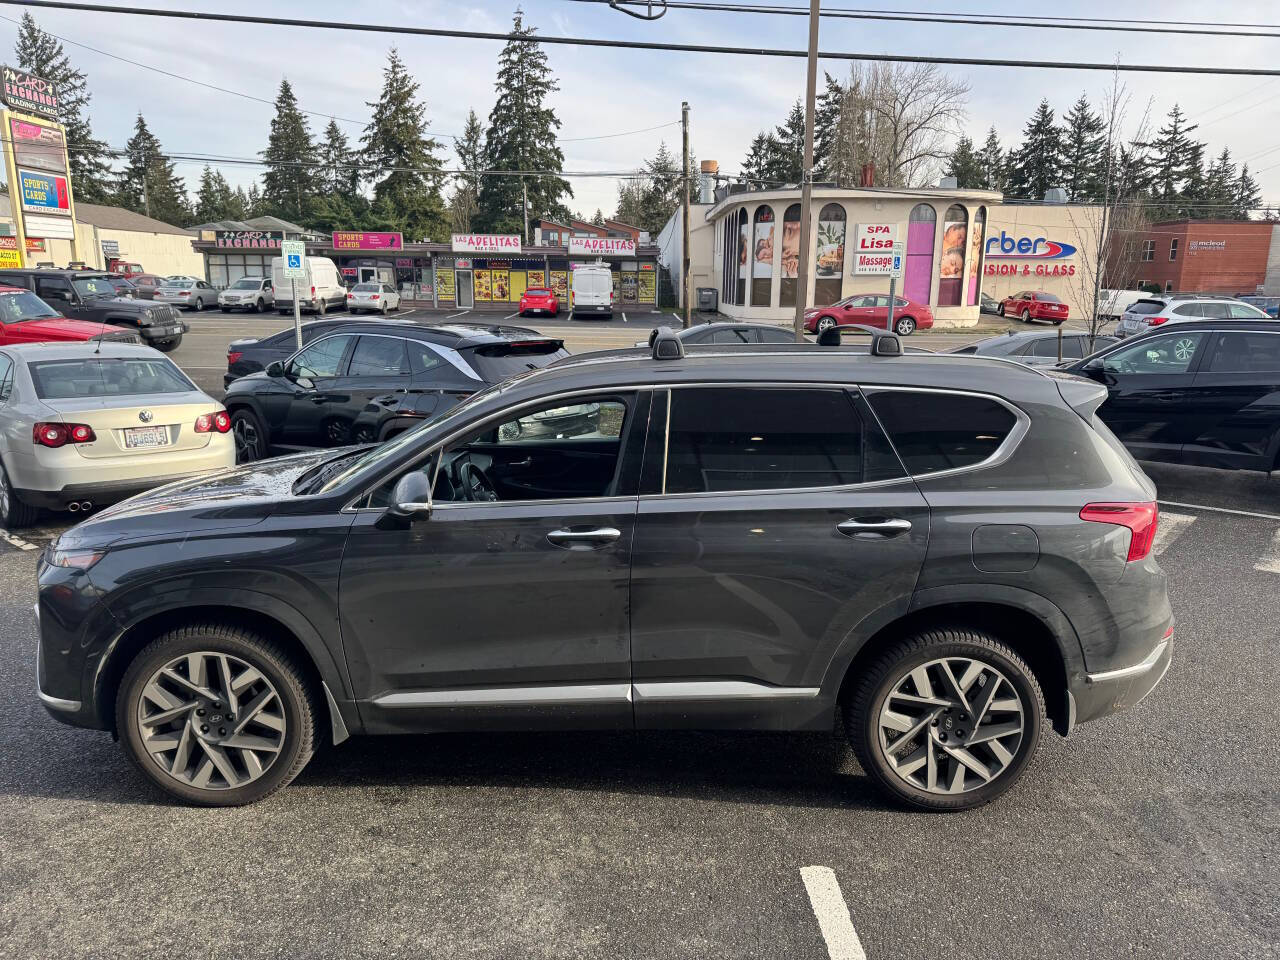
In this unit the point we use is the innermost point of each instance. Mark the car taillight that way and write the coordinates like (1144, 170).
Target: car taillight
(1156, 321)
(60, 434)
(374, 297)
(211, 422)
(184, 293)
(1141, 519)
(233, 356)
(313, 291)
(351, 296)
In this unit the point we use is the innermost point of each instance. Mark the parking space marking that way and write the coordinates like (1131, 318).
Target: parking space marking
(832, 913)
(1270, 560)
(18, 542)
(453, 315)
(1170, 528)
(1200, 506)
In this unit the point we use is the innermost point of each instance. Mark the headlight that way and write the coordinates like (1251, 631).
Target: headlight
(77, 559)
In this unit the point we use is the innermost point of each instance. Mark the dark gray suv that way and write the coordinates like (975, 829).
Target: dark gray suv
(945, 553)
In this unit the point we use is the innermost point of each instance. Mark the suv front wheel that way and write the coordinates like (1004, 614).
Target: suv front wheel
(216, 715)
(946, 720)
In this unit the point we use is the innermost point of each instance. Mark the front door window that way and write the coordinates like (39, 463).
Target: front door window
(1160, 355)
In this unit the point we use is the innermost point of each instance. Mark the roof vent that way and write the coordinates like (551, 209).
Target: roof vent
(666, 345)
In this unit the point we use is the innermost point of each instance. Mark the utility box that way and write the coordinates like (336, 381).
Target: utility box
(706, 299)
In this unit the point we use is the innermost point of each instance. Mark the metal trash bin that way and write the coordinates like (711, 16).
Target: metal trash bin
(706, 299)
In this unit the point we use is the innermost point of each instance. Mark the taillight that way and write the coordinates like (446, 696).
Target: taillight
(60, 434)
(211, 422)
(1156, 321)
(233, 356)
(351, 296)
(1141, 519)
(374, 297)
(313, 291)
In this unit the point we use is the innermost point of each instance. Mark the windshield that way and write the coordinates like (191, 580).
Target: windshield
(16, 307)
(1047, 298)
(246, 283)
(106, 377)
(94, 287)
(365, 287)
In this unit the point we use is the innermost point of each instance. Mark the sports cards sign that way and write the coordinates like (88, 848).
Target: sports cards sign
(45, 193)
(873, 248)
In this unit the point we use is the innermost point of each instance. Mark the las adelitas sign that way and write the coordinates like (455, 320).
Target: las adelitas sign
(485, 243)
(602, 246)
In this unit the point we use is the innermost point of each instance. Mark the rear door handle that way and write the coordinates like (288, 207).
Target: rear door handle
(584, 538)
(882, 526)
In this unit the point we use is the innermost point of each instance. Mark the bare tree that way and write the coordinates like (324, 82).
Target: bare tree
(899, 117)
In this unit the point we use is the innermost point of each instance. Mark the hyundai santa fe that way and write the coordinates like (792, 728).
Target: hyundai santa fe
(946, 554)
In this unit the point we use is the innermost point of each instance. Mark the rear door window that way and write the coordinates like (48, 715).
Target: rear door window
(754, 438)
(731, 336)
(379, 357)
(942, 431)
(1215, 311)
(1246, 353)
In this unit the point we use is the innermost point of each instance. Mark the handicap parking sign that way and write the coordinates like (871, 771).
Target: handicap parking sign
(294, 253)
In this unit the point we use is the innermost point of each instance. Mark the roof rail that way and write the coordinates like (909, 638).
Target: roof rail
(666, 345)
(883, 342)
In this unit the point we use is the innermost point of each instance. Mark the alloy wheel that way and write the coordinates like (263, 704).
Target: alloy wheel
(826, 323)
(4, 497)
(211, 720)
(1185, 349)
(248, 443)
(951, 725)
(905, 326)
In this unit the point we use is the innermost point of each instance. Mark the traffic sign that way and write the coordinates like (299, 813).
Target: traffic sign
(895, 269)
(294, 253)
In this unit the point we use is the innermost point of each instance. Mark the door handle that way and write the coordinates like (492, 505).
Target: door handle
(526, 462)
(588, 538)
(882, 526)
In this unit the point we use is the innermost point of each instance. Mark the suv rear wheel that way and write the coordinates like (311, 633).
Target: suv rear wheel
(216, 715)
(946, 720)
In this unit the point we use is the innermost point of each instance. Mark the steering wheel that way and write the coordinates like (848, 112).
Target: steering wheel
(476, 487)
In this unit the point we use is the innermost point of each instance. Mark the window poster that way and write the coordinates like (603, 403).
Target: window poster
(617, 285)
(629, 287)
(560, 283)
(975, 254)
(744, 257)
(445, 284)
(537, 278)
(500, 285)
(762, 258)
(951, 268)
(647, 286)
(829, 255)
(484, 286)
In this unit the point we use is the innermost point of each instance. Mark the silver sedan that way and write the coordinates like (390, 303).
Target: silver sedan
(82, 424)
(192, 294)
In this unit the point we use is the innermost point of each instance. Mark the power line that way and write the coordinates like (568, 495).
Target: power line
(204, 16)
(902, 16)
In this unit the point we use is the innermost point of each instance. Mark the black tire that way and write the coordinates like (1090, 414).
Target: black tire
(14, 513)
(999, 309)
(862, 710)
(167, 346)
(354, 311)
(299, 703)
(904, 326)
(824, 323)
(321, 307)
(1058, 323)
(283, 313)
(1026, 316)
(225, 309)
(245, 424)
(261, 305)
(199, 305)
(385, 308)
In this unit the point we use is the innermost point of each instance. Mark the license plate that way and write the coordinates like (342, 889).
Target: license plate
(135, 437)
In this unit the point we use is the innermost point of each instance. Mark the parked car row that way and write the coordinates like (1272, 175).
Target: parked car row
(1148, 312)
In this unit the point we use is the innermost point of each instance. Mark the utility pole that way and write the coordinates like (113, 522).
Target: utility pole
(806, 185)
(524, 192)
(685, 289)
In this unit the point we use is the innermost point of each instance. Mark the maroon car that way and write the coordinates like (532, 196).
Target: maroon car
(1034, 305)
(871, 310)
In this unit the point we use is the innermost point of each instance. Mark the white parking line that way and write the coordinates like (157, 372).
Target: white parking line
(832, 913)
(453, 315)
(1270, 562)
(1200, 506)
(1171, 527)
(18, 542)
(510, 315)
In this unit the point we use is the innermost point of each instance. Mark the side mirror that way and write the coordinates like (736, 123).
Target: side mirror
(411, 498)
(1094, 366)
(275, 369)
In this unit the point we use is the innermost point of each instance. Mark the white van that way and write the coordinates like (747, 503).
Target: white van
(1113, 303)
(591, 290)
(320, 290)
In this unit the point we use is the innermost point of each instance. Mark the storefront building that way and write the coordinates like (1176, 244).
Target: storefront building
(1050, 247)
(1235, 257)
(234, 248)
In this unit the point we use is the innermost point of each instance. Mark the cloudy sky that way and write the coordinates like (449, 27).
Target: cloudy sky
(615, 91)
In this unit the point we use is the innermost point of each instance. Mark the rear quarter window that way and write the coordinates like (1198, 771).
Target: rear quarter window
(942, 431)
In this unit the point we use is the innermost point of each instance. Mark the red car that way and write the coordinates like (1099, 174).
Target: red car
(1034, 305)
(872, 310)
(25, 318)
(539, 300)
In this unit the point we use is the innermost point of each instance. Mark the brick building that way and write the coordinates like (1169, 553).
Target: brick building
(1201, 256)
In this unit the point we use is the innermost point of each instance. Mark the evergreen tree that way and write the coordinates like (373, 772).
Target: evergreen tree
(1220, 188)
(965, 164)
(755, 168)
(994, 163)
(1036, 165)
(339, 165)
(826, 128)
(597, 218)
(1084, 153)
(148, 183)
(785, 162)
(1248, 197)
(289, 183)
(522, 135)
(243, 204)
(253, 205)
(402, 157)
(1173, 159)
(464, 204)
(216, 200)
(1193, 191)
(39, 53)
(648, 201)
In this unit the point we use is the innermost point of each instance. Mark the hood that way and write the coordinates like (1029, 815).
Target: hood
(248, 383)
(236, 497)
(64, 328)
(243, 342)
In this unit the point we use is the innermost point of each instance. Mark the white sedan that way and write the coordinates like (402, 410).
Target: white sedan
(374, 297)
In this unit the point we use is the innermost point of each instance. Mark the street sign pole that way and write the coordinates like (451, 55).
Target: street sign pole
(895, 273)
(293, 254)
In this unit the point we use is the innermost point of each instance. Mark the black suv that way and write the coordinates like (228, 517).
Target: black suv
(945, 553)
(364, 381)
(85, 295)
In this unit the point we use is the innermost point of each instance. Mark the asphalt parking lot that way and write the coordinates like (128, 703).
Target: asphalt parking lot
(1147, 834)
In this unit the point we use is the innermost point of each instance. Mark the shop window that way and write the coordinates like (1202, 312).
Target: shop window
(974, 270)
(828, 256)
(762, 257)
(918, 275)
(744, 257)
(1173, 249)
(790, 256)
(955, 241)
(1148, 251)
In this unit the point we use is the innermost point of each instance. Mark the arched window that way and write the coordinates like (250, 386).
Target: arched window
(975, 256)
(744, 257)
(955, 243)
(762, 257)
(828, 255)
(918, 274)
(790, 256)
